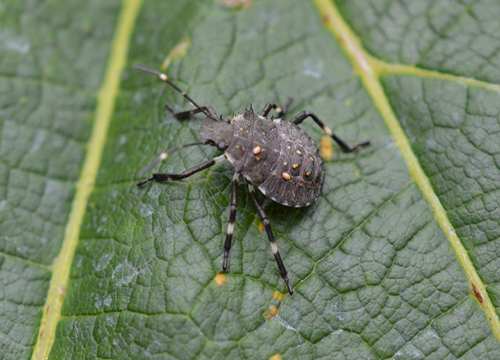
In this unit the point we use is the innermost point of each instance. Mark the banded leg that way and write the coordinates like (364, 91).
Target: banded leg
(272, 242)
(346, 148)
(164, 155)
(232, 218)
(160, 177)
(271, 105)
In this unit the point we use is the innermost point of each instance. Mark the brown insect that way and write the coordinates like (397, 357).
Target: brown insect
(273, 155)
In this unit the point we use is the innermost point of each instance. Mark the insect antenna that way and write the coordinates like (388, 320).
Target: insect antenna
(165, 78)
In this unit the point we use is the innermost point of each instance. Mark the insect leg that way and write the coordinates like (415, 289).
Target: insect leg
(268, 107)
(232, 217)
(272, 242)
(165, 78)
(281, 112)
(346, 148)
(167, 177)
(164, 155)
(186, 114)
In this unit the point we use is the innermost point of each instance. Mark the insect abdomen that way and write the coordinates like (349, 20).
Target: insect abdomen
(297, 178)
(277, 157)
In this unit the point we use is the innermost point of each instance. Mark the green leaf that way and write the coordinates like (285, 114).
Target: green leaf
(50, 69)
(397, 259)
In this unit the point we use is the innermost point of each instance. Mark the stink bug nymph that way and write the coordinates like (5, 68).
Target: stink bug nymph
(273, 155)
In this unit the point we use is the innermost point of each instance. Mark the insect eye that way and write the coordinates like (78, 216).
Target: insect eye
(222, 146)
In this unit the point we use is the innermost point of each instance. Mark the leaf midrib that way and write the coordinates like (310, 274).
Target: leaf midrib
(104, 110)
(369, 69)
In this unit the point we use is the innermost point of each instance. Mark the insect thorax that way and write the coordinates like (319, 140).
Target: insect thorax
(255, 147)
(219, 132)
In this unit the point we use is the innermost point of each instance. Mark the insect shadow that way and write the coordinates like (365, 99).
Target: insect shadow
(273, 155)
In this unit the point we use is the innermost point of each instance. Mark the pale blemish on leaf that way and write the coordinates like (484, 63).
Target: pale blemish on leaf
(286, 324)
(313, 68)
(146, 210)
(103, 262)
(107, 301)
(119, 157)
(124, 273)
(13, 42)
(100, 301)
(154, 192)
(79, 261)
(122, 139)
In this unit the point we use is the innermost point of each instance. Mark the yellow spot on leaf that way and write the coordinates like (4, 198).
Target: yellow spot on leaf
(261, 227)
(278, 295)
(271, 312)
(348, 102)
(178, 50)
(270, 31)
(356, 172)
(326, 148)
(275, 357)
(220, 279)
